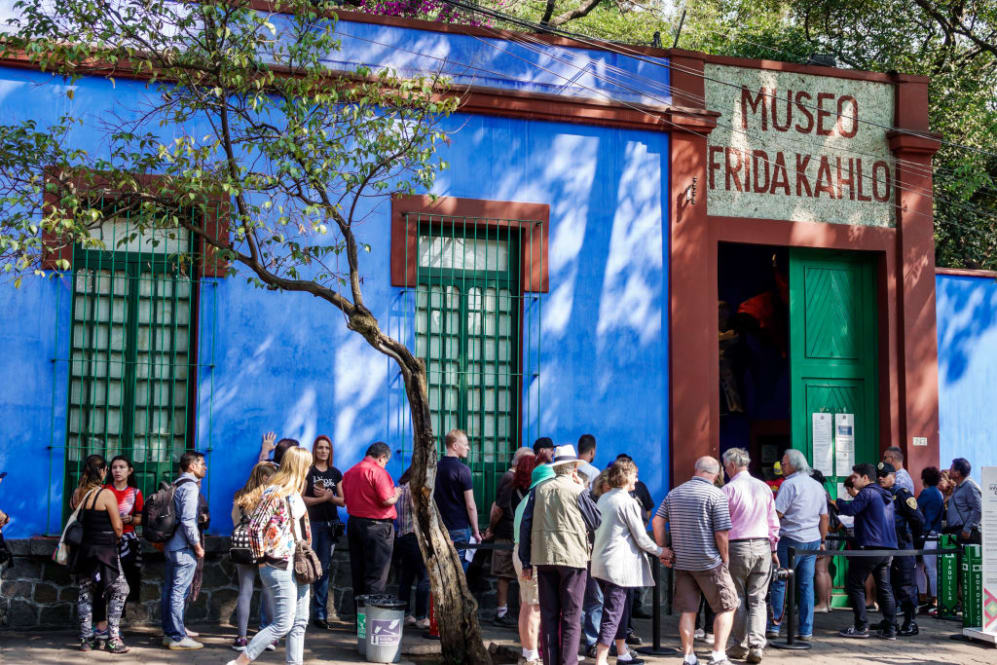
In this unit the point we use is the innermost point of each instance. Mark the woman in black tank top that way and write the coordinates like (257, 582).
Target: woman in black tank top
(96, 562)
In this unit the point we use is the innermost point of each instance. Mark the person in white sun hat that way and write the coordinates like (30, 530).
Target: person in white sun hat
(555, 537)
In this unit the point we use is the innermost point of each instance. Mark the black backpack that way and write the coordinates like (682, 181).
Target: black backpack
(159, 517)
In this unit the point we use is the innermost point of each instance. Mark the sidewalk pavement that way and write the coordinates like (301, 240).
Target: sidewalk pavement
(337, 646)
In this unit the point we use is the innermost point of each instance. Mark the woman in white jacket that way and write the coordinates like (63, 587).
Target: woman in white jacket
(618, 560)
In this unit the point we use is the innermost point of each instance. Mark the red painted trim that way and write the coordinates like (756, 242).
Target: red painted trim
(812, 70)
(966, 272)
(532, 218)
(216, 223)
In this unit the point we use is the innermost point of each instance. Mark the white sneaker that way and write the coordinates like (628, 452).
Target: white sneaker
(271, 647)
(700, 634)
(185, 644)
(422, 624)
(191, 633)
(410, 620)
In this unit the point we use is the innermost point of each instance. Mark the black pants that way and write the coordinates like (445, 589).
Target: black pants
(371, 543)
(562, 590)
(858, 571)
(904, 583)
(412, 569)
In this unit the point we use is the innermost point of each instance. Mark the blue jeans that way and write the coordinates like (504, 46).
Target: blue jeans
(324, 545)
(461, 536)
(592, 611)
(180, 567)
(289, 602)
(804, 566)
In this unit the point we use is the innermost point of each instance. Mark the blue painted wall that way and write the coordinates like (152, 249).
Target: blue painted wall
(967, 369)
(286, 362)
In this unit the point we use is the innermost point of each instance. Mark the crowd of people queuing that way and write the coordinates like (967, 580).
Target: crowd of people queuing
(575, 538)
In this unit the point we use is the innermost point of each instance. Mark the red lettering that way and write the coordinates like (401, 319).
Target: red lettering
(802, 108)
(860, 181)
(760, 187)
(850, 180)
(885, 182)
(822, 114)
(801, 175)
(730, 172)
(789, 112)
(779, 176)
(824, 183)
(714, 151)
(758, 104)
(854, 117)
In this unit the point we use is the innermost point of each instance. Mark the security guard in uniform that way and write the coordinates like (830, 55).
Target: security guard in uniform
(910, 525)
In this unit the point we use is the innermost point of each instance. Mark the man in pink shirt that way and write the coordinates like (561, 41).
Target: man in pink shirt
(754, 535)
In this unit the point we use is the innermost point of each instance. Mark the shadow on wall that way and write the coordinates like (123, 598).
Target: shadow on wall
(967, 310)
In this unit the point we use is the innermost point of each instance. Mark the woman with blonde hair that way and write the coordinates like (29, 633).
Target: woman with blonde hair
(243, 505)
(618, 561)
(278, 521)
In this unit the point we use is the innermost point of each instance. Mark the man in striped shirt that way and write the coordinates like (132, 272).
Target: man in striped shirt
(698, 518)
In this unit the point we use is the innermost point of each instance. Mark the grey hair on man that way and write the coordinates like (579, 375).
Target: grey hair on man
(738, 457)
(707, 465)
(798, 460)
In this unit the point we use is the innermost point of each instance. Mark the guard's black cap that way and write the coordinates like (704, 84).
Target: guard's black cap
(884, 469)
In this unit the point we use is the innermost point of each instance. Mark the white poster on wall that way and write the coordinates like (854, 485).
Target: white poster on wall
(823, 444)
(844, 443)
(989, 529)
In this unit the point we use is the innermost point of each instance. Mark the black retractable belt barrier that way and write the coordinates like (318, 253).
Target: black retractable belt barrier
(791, 642)
(656, 649)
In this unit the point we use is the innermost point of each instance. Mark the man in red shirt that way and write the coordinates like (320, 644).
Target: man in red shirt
(370, 495)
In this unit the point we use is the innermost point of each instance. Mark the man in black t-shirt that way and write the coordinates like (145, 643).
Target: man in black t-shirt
(454, 493)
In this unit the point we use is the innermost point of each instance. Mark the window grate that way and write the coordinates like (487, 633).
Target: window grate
(478, 334)
(131, 352)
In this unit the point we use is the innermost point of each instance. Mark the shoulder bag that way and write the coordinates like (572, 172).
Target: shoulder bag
(307, 567)
(72, 534)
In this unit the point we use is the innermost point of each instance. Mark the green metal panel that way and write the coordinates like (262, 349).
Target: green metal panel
(833, 346)
(129, 356)
(467, 327)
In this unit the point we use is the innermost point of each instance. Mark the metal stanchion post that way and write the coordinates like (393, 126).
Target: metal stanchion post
(791, 642)
(656, 649)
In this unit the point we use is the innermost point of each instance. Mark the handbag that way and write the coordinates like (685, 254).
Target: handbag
(72, 535)
(307, 567)
(239, 550)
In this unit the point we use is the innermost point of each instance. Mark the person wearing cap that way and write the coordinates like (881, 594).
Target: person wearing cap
(872, 509)
(529, 595)
(543, 448)
(894, 456)
(909, 525)
(555, 540)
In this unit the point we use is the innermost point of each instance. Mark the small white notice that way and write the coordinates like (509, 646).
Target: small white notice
(823, 444)
(920, 441)
(844, 443)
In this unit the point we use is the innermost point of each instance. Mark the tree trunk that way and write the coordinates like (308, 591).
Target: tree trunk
(455, 607)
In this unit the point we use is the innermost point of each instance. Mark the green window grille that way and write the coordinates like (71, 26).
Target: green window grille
(467, 315)
(131, 384)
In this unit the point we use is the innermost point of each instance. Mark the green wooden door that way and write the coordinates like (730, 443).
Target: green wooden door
(833, 362)
(833, 350)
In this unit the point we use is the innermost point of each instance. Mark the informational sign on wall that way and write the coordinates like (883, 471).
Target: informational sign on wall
(823, 446)
(799, 147)
(989, 529)
(844, 443)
